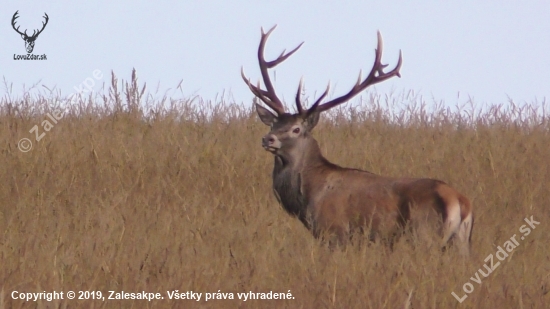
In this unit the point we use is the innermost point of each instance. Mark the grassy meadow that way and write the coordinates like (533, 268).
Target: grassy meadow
(129, 193)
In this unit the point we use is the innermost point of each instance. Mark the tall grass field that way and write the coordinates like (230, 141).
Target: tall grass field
(119, 191)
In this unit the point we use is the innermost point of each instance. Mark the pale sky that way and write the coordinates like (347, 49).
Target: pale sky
(486, 50)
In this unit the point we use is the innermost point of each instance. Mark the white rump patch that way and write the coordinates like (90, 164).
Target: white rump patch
(452, 223)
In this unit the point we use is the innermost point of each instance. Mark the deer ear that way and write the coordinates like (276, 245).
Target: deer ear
(311, 120)
(265, 115)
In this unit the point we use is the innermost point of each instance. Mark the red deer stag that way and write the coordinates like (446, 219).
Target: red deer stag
(331, 199)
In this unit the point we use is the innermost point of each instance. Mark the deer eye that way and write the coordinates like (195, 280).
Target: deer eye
(296, 131)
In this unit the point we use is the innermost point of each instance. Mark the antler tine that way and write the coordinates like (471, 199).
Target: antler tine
(314, 106)
(375, 76)
(255, 90)
(268, 96)
(378, 66)
(259, 93)
(298, 100)
(282, 57)
(262, 95)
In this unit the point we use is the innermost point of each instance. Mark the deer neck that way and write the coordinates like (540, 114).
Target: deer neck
(305, 155)
(288, 176)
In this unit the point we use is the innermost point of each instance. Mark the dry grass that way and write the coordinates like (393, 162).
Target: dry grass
(183, 201)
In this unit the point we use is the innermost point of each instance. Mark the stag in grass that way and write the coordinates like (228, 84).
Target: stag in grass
(338, 201)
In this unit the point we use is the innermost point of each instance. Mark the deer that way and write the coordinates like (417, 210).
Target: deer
(335, 202)
(29, 40)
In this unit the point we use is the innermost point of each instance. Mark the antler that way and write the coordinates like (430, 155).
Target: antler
(268, 96)
(13, 24)
(34, 33)
(375, 76)
(43, 25)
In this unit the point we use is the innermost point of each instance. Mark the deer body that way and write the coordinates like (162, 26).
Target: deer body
(328, 198)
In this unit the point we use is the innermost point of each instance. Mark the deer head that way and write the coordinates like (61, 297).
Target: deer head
(290, 130)
(29, 40)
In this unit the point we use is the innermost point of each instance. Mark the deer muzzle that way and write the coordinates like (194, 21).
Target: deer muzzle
(271, 143)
